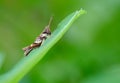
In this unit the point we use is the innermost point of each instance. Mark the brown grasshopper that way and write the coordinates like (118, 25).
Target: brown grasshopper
(39, 40)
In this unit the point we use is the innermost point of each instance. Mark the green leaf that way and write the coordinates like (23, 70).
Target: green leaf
(27, 63)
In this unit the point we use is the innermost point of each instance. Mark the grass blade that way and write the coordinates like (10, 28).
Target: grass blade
(27, 63)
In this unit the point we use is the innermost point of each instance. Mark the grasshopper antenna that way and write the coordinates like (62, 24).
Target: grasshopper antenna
(50, 21)
(47, 28)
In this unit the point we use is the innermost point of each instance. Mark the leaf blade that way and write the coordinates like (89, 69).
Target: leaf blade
(27, 63)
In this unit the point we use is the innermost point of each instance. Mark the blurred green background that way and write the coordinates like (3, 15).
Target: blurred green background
(88, 53)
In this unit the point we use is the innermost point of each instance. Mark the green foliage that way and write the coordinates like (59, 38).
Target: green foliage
(89, 52)
(111, 75)
(27, 63)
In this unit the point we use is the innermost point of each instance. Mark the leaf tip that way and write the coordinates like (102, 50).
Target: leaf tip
(81, 11)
